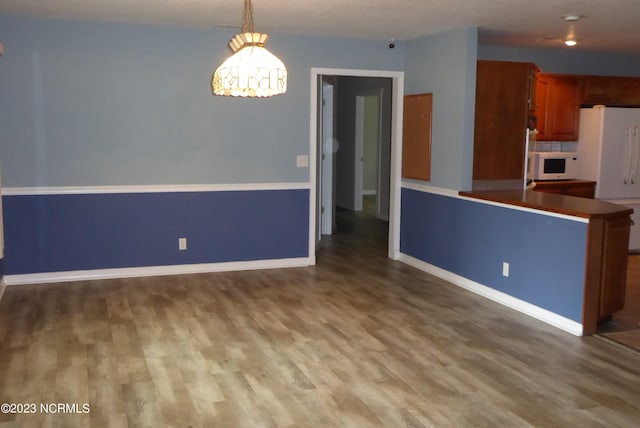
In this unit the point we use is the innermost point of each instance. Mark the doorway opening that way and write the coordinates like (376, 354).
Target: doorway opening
(356, 139)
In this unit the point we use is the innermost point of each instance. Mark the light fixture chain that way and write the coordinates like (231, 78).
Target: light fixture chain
(247, 18)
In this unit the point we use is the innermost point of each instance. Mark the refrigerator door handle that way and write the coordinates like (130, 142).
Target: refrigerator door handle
(629, 161)
(630, 158)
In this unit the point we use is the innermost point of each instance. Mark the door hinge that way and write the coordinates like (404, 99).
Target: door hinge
(321, 210)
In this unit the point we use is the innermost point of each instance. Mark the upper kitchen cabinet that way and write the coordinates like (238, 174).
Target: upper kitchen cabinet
(557, 107)
(610, 90)
(504, 98)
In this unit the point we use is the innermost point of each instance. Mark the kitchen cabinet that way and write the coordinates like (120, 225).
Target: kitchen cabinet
(608, 244)
(579, 188)
(611, 91)
(557, 107)
(504, 101)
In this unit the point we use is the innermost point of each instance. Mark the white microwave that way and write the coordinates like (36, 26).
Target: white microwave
(552, 166)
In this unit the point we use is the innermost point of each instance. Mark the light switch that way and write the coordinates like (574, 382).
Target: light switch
(302, 161)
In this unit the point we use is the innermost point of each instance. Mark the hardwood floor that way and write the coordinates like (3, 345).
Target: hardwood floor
(356, 341)
(624, 326)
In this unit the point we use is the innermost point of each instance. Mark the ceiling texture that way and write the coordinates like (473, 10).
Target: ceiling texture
(607, 25)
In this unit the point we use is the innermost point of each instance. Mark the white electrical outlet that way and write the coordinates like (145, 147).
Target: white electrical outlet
(505, 269)
(182, 243)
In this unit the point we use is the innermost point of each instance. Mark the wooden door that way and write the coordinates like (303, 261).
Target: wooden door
(502, 111)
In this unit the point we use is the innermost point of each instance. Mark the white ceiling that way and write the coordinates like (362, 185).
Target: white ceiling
(609, 25)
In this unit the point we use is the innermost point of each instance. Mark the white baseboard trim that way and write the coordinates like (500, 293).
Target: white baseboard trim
(84, 275)
(534, 311)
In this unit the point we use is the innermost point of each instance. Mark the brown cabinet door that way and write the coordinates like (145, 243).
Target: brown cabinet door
(585, 189)
(502, 110)
(582, 190)
(611, 90)
(542, 91)
(614, 265)
(558, 108)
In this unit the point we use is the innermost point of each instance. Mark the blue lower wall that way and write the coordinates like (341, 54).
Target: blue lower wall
(53, 233)
(547, 255)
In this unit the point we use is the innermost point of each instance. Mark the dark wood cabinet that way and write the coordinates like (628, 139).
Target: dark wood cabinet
(504, 98)
(606, 273)
(579, 188)
(557, 107)
(611, 90)
(614, 266)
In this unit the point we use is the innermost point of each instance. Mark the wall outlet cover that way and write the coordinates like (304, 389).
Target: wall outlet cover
(302, 161)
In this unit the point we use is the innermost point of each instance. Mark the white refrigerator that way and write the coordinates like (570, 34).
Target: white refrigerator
(609, 153)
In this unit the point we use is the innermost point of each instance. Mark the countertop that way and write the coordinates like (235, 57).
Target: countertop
(561, 204)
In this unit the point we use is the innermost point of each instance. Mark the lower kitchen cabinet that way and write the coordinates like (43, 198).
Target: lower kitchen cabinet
(614, 276)
(606, 273)
(579, 188)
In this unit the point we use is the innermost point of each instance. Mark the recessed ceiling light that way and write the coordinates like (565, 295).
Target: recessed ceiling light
(572, 18)
(571, 42)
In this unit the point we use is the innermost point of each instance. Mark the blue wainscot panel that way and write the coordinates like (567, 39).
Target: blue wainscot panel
(55, 233)
(546, 254)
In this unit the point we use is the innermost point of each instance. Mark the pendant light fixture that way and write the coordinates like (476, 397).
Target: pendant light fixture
(252, 71)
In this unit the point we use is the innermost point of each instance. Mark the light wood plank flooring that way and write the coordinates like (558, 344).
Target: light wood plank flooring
(624, 326)
(356, 341)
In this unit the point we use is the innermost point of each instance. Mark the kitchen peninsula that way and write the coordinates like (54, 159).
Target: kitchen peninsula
(606, 246)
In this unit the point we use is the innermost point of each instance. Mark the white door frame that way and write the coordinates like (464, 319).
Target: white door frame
(326, 161)
(358, 188)
(358, 157)
(379, 93)
(379, 214)
(396, 152)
